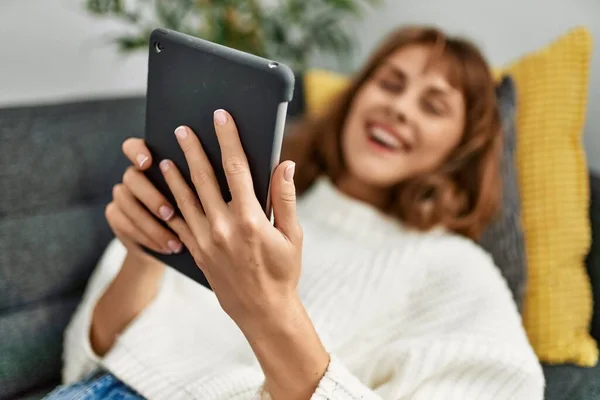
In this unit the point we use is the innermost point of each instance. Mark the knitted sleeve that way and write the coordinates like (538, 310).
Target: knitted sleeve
(79, 360)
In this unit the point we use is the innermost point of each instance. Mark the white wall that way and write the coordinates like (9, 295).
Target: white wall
(53, 51)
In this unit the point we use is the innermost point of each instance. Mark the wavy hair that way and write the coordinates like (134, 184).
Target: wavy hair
(461, 194)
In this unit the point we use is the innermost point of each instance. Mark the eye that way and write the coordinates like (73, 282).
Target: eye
(434, 107)
(391, 85)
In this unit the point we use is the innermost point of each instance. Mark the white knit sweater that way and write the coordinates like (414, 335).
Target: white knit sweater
(404, 315)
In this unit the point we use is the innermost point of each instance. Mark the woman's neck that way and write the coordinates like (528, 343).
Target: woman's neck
(369, 194)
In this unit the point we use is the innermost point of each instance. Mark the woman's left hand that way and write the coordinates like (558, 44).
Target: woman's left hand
(252, 266)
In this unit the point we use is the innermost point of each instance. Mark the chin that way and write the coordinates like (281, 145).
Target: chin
(375, 174)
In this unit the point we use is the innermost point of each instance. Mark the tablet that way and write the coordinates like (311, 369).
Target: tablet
(190, 78)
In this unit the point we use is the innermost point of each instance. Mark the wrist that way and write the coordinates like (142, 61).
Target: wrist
(138, 262)
(276, 318)
(134, 287)
(289, 351)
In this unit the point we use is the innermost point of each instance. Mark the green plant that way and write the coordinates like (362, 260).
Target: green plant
(286, 30)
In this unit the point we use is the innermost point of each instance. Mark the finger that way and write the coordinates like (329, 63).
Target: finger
(234, 159)
(145, 221)
(182, 230)
(139, 185)
(283, 200)
(124, 228)
(202, 173)
(136, 151)
(146, 193)
(187, 200)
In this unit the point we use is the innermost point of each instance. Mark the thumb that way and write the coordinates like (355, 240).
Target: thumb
(283, 199)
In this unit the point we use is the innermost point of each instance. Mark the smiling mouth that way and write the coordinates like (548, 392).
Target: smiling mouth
(385, 139)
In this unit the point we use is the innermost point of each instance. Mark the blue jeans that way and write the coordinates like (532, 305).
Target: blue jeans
(101, 385)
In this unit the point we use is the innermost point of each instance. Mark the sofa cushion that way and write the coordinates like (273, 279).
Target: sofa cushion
(552, 87)
(593, 258)
(504, 238)
(58, 163)
(31, 345)
(58, 155)
(570, 382)
(46, 255)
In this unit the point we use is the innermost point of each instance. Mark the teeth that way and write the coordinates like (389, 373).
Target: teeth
(385, 137)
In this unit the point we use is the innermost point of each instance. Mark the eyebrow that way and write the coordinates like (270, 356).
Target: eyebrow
(395, 70)
(436, 89)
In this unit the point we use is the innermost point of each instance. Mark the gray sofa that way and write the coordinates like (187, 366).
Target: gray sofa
(57, 166)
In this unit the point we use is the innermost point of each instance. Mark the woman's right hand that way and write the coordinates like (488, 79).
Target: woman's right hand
(132, 214)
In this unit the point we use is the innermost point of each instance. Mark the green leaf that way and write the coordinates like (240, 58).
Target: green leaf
(102, 7)
(131, 16)
(288, 30)
(132, 42)
(165, 16)
(345, 5)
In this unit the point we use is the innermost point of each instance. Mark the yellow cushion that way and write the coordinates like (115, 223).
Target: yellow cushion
(552, 86)
(319, 87)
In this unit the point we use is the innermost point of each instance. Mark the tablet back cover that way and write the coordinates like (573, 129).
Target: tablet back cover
(188, 79)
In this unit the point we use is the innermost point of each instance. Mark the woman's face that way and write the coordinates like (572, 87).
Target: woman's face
(403, 121)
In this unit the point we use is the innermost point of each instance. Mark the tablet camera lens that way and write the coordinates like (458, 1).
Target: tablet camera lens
(158, 47)
(273, 65)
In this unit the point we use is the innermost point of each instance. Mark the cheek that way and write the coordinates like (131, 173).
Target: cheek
(352, 128)
(366, 100)
(440, 138)
(348, 135)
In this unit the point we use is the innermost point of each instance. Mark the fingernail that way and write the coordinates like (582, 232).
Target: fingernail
(181, 132)
(164, 165)
(288, 174)
(174, 245)
(166, 212)
(141, 159)
(220, 117)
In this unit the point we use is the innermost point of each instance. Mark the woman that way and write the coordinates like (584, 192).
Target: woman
(382, 294)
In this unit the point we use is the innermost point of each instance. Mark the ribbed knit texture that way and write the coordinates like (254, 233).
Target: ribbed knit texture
(404, 314)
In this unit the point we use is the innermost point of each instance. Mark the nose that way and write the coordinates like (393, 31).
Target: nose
(402, 107)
